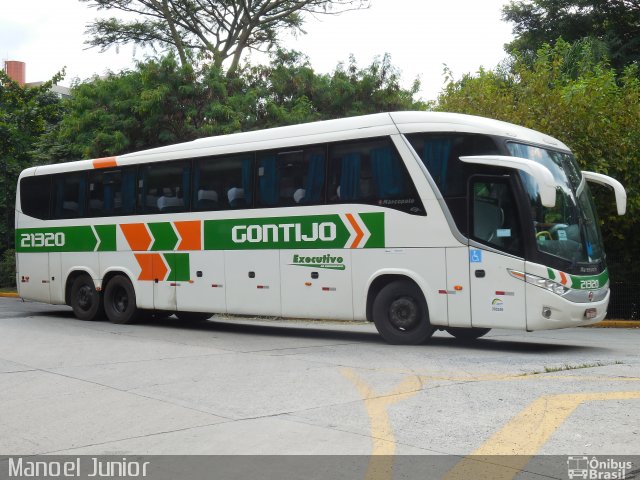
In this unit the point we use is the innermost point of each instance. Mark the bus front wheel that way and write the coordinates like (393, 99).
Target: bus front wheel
(120, 300)
(467, 334)
(86, 301)
(400, 314)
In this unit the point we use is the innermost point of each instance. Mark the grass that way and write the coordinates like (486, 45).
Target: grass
(566, 366)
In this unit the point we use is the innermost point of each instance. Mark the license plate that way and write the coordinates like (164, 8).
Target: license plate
(590, 313)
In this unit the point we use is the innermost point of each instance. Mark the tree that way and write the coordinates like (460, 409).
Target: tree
(157, 103)
(584, 103)
(26, 114)
(161, 102)
(615, 23)
(220, 29)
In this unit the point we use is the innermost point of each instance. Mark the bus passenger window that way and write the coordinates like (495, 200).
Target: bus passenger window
(70, 195)
(111, 192)
(164, 187)
(371, 172)
(223, 183)
(35, 193)
(289, 178)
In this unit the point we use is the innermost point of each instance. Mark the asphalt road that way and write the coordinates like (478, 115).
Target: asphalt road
(248, 386)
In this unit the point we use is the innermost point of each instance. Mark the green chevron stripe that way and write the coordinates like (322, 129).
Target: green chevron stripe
(107, 237)
(178, 265)
(164, 237)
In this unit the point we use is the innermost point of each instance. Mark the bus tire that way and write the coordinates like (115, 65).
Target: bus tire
(193, 317)
(86, 301)
(120, 300)
(467, 334)
(400, 314)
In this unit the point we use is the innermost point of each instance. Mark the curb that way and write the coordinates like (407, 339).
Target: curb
(615, 324)
(9, 294)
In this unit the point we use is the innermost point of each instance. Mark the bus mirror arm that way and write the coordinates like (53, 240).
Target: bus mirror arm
(618, 189)
(541, 174)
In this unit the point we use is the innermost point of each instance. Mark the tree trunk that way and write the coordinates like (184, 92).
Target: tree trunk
(177, 40)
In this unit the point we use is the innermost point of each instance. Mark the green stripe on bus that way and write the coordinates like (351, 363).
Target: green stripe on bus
(590, 282)
(178, 265)
(164, 236)
(312, 231)
(66, 239)
(375, 224)
(107, 237)
(551, 273)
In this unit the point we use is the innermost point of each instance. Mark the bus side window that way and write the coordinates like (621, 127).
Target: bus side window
(112, 192)
(223, 183)
(70, 195)
(164, 187)
(289, 178)
(371, 172)
(440, 153)
(35, 196)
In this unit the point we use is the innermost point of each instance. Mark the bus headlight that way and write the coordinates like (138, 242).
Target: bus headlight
(545, 283)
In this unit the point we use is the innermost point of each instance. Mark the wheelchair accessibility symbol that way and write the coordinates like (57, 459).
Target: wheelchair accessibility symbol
(475, 256)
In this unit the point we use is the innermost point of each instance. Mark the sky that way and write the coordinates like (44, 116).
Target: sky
(421, 36)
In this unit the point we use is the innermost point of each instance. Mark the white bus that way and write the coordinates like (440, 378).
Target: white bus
(415, 221)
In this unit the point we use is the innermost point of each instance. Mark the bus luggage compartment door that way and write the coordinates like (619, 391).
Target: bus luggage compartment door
(316, 284)
(33, 282)
(205, 289)
(164, 284)
(253, 282)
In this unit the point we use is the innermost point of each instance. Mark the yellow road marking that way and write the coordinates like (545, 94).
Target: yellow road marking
(524, 435)
(384, 444)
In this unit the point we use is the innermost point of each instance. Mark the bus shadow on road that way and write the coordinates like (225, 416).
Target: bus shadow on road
(337, 333)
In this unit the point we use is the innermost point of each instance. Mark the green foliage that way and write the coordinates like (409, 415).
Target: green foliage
(573, 97)
(8, 269)
(161, 102)
(26, 114)
(613, 24)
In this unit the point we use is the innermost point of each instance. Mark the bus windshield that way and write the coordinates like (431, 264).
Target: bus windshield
(571, 229)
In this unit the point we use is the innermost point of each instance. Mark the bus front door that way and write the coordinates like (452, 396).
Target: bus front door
(495, 250)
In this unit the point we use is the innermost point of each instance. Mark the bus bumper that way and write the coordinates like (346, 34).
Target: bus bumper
(561, 312)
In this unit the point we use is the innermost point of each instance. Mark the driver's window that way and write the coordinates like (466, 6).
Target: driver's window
(494, 216)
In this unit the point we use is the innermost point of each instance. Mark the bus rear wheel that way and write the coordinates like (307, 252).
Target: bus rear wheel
(467, 334)
(400, 314)
(86, 301)
(120, 300)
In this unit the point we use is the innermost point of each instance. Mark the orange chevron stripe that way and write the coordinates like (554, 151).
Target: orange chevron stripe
(563, 278)
(151, 266)
(137, 236)
(105, 162)
(146, 266)
(356, 227)
(190, 234)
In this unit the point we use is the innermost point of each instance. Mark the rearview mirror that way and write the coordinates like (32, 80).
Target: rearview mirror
(618, 189)
(541, 174)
